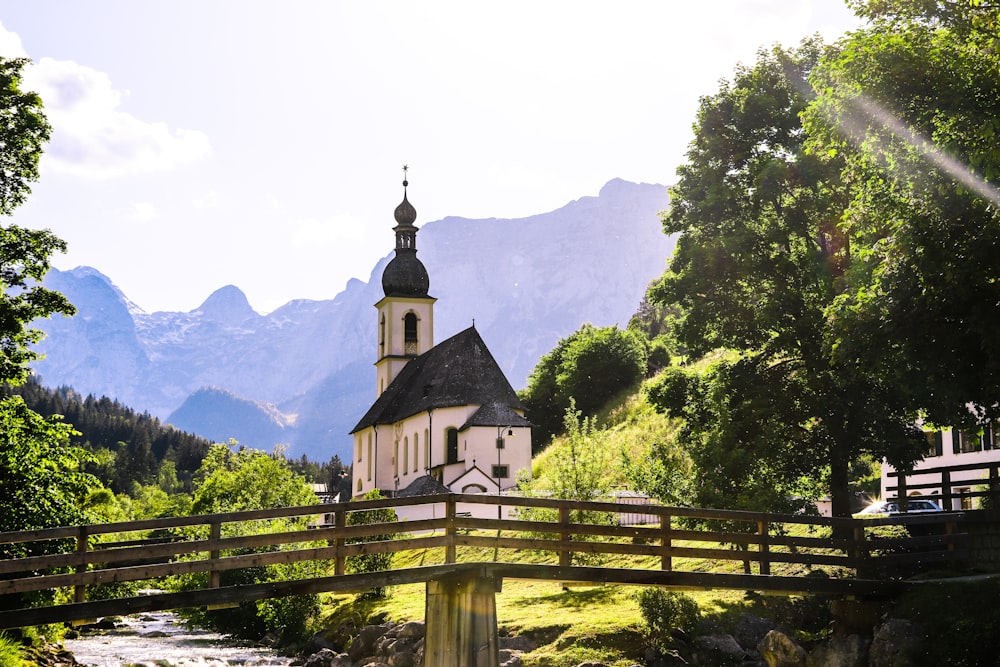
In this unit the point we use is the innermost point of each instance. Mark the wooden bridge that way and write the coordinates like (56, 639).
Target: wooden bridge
(678, 548)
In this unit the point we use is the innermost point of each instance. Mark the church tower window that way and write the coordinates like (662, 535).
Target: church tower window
(410, 333)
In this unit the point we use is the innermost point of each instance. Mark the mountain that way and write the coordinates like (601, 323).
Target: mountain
(303, 374)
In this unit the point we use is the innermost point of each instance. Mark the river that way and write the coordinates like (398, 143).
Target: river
(161, 639)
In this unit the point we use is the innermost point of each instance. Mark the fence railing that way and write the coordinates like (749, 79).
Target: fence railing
(944, 487)
(563, 533)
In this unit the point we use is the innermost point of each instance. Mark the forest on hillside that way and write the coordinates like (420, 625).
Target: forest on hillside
(132, 449)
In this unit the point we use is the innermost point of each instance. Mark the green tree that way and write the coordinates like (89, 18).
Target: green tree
(760, 258)
(248, 479)
(24, 253)
(371, 562)
(41, 481)
(581, 470)
(591, 366)
(910, 106)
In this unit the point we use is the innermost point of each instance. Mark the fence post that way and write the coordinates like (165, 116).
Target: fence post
(449, 529)
(80, 591)
(565, 555)
(763, 548)
(666, 561)
(215, 534)
(994, 487)
(861, 555)
(946, 495)
(339, 522)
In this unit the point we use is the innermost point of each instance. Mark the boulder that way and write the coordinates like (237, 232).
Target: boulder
(322, 658)
(718, 651)
(412, 630)
(780, 650)
(846, 651)
(896, 643)
(751, 629)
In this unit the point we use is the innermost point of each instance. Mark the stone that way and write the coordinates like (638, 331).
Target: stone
(751, 629)
(780, 650)
(840, 651)
(324, 658)
(897, 643)
(402, 659)
(363, 646)
(517, 643)
(413, 629)
(717, 651)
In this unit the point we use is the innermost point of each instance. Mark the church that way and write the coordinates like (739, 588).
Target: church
(445, 418)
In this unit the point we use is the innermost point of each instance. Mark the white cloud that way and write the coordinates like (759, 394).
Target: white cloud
(10, 44)
(142, 212)
(93, 137)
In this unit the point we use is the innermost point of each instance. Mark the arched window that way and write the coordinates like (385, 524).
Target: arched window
(427, 449)
(451, 438)
(369, 459)
(410, 333)
(406, 455)
(416, 451)
(395, 458)
(381, 336)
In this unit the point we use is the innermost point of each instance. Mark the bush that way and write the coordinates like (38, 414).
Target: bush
(371, 562)
(664, 611)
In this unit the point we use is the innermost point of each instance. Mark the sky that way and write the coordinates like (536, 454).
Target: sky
(260, 143)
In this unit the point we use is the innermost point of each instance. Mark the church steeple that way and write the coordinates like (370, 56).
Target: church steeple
(406, 313)
(405, 275)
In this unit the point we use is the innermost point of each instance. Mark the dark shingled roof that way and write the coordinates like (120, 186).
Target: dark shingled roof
(458, 371)
(423, 486)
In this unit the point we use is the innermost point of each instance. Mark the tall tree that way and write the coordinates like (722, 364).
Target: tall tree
(760, 257)
(911, 106)
(24, 253)
(41, 480)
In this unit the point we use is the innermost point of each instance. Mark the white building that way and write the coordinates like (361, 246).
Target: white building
(956, 460)
(445, 417)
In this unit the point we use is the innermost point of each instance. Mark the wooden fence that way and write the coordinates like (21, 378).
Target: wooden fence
(942, 486)
(577, 541)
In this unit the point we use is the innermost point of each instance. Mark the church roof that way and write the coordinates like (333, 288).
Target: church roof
(458, 371)
(423, 486)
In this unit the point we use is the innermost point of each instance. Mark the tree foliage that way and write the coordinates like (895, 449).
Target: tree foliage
(42, 483)
(839, 226)
(374, 562)
(23, 131)
(911, 106)
(590, 366)
(248, 479)
(760, 258)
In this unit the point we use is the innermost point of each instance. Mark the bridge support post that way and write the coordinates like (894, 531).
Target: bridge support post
(461, 621)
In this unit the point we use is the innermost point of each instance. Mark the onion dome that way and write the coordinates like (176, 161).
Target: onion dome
(405, 275)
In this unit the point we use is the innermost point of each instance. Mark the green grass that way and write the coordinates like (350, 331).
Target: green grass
(10, 652)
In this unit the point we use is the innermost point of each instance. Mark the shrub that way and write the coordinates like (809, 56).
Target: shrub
(664, 611)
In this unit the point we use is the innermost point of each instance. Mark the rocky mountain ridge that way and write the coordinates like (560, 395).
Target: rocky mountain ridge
(302, 375)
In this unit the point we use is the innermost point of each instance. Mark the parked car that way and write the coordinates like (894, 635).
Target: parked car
(887, 508)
